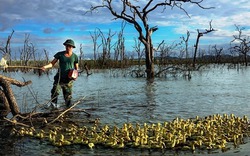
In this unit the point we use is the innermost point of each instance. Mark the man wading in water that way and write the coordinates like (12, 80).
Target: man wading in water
(62, 80)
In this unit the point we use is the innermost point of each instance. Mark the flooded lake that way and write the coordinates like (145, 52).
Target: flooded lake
(118, 98)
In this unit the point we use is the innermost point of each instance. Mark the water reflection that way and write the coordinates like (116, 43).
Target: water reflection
(150, 91)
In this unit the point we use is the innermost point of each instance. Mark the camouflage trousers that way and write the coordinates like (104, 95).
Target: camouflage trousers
(65, 86)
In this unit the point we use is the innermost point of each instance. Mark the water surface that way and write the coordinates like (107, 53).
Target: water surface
(117, 99)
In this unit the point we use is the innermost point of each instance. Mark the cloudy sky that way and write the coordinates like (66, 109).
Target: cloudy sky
(50, 22)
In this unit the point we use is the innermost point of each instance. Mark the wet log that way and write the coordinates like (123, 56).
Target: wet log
(14, 81)
(7, 98)
(4, 108)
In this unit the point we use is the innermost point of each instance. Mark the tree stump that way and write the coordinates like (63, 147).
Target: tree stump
(7, 99)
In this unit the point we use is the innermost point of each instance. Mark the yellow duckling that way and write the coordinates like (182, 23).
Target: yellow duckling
(245, 119)
(120, 144)
(21, 132)
(222, 144)
(176, 120)
(137, 141)
(110, 141)
(105, 128)
(83, 130)
(91, 145)
(145, 139)
(151, 144)
(183, 138)
(77, 140)
(94, 128)
(197, 117)
(199, 142)
(137, 126)
(70, 129)
(209, 144)
(53, 132)
(26, 131)
(127, 137)
(57, 143)
(169, 136)
(115, 131)
(157, 137)
(63, 141)
(160, 144)
(114, 142)
(124, 128)
(145, 126)
(40, 134)
(166, 124)
(130, 128)
(184, 148)
(95, 138)
(173, 142)
(72, 138)
(14, 132)
(57, 128)
(52, 137)
(158, 127)
(235, 139)
(29, 131)
(85, 141)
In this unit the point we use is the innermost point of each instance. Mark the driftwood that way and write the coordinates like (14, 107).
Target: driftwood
(7, 98)
(51, 117)
(36, 120)
(65, 111)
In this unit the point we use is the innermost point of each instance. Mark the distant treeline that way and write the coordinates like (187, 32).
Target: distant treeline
(107, 64)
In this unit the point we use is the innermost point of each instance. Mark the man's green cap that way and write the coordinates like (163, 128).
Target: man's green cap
(69, 42)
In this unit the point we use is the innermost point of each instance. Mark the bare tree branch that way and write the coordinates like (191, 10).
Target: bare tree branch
(138, 17)
(242, 46)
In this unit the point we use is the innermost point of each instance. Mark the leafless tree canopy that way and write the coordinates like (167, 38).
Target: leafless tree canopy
(200, 34)
(137, 15)
(6, 50)
(242, 46)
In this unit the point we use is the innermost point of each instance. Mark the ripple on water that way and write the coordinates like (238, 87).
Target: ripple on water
(116, 100)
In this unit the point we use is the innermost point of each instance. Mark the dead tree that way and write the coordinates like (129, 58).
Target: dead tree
(6, 50)
(165, 51)
(28, 50)
(200, 34)
(106, 46)
(81, 56)
(7, 99)
(46, 55)
(186, 43)
(243, 43)
(120, 45)
(95, 44)
(138, 16)
(218, 53)
(139, 50)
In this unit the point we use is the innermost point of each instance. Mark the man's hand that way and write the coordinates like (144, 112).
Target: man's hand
(43, 68)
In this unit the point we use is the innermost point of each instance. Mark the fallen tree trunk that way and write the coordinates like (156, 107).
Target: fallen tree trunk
(14, 81)
(35, 121)
(7, 99)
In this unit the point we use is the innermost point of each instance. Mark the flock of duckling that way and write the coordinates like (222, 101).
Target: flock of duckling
(212, 132)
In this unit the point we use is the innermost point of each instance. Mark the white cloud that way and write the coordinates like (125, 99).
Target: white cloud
(56, 16)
